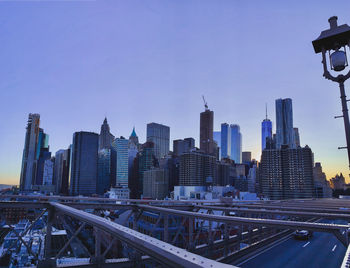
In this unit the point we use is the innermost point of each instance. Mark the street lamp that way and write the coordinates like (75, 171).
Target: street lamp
(335, 41)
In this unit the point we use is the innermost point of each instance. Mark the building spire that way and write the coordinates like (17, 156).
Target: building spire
(266, 110)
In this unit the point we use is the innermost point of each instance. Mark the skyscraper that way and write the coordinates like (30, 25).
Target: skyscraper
(61, 171)
(284, 123)
(104, 171)
(105, 138)
(160, 136)
(197, 169)
(225, 141)
(84, 163)
(133, 149)
(182, 146)
(296, 137)
(29, 159)
(246, 157)
(48, 171)
(146, 160)
(42, 154)
(120, 145)
(155, 183)
(266, 131)
(206, 144)
(133, 138)
(236, 144)
(287, 173)
(217, 140)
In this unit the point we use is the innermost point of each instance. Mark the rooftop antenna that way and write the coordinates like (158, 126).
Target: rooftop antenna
(205, 103)
(266, 110)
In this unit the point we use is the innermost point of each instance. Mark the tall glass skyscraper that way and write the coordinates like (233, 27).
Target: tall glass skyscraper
(236, 143)
(29, 159)
(225, 141)
(120, 145)
(284, 123)
(84, 163)
(266, 132)
(160, 136)
(61, 171)
(104, 171)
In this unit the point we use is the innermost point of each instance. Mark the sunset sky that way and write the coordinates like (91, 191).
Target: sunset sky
(136, 62)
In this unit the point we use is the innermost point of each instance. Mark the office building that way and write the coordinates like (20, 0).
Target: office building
(284, 123)
(252, 179)
(105, 138)
(287, 173)
(155, 183)
(197, 169)
(225, 145)
(120, 146)
(104, 174)
(171, 164)
(266, 132)
(143, 161)
(83, 179)
(217, 140)
(296, 137)
(246, 157)
(134, 138)
(236, 144)
(44, 155)
(48, 171)
(133, 149)
(61, 171)
(160, 136)
(206, 140)
(322, 185)
(338, 182)
(183, 146)
(223, 173)
(29, 158)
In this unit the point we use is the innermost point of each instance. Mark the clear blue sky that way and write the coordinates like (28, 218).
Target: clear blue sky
(136, 62)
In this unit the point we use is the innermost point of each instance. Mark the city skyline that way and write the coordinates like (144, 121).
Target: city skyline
(175, 64)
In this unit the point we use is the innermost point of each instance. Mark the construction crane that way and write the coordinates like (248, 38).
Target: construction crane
(205, 103)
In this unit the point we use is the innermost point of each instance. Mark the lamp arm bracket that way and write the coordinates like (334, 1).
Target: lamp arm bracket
(347, 76)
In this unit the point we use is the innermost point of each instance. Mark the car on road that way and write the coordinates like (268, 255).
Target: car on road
(302, 234)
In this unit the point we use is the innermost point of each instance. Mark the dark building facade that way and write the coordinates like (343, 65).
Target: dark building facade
(183, 146)
(287, 173)
(29, 159)
(83, 180)
(160, 136)
(284, 123)
(144, 160)
(206, 142)
(197, 169)
(104, 174)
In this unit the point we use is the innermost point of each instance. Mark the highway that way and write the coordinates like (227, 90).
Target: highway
(322, 250)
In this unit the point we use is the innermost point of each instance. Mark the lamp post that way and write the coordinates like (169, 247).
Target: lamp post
(335, 41)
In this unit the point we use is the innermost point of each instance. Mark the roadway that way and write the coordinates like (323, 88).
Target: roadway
(322, 250)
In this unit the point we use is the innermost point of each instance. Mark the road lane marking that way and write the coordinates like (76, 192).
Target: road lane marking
(335, 246)
(306, 244)
(267, 249)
